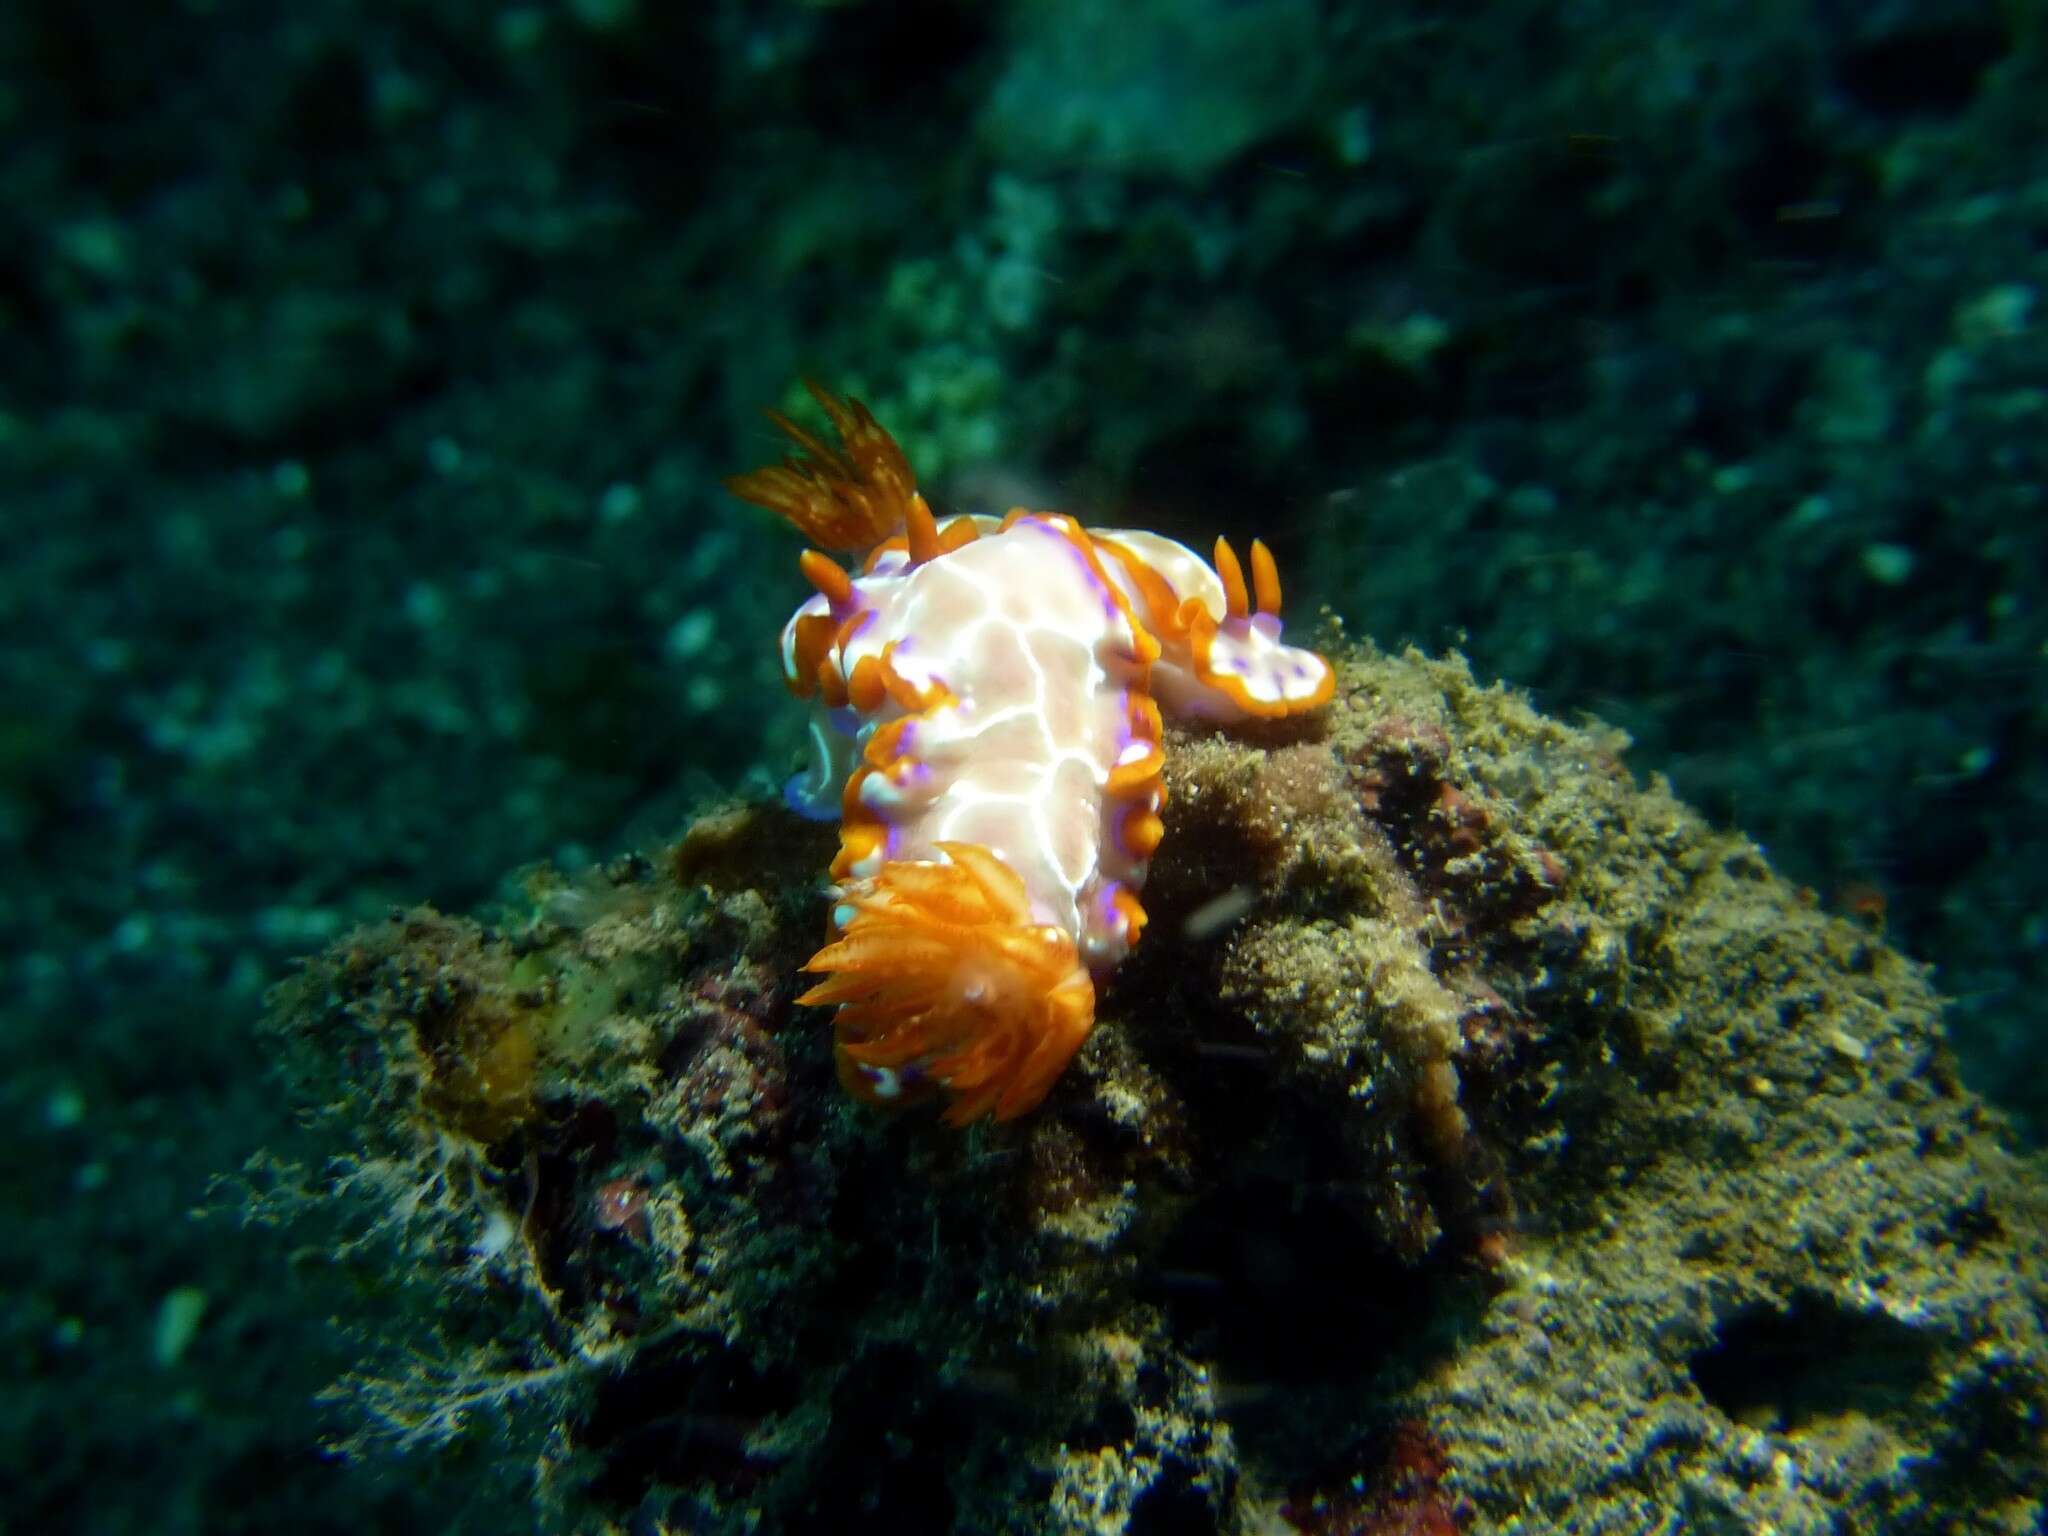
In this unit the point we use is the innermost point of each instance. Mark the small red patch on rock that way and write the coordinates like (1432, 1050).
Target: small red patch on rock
(621, 1206)
(1396, 1490)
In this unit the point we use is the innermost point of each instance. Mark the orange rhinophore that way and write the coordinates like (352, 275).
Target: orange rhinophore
(989, 737)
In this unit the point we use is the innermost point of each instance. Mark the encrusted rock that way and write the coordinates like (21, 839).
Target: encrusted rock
(1478, 1139)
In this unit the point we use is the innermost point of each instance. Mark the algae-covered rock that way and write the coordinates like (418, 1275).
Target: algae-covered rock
(1478, 1141)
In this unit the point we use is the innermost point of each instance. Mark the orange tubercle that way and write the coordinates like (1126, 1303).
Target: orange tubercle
(957, 534)
(1146, 724)
(858, 840)
(865, 689)
(917, 700)
(1142, 833)
(816, 634)
(1133, 913)
(886, 745)
(941, 978)
(827, 575)
(1128, 777)
(831, 684)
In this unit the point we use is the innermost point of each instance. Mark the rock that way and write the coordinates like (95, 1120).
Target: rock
(1478, 1140)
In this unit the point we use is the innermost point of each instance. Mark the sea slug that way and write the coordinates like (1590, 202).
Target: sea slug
(988, 733)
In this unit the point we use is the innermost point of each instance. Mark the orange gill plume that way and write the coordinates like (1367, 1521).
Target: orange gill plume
(942, 978)
(847, 498)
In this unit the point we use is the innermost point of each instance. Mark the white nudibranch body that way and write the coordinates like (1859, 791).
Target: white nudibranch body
(988, 731)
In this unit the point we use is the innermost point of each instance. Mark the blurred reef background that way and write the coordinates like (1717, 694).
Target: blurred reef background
(367, 371)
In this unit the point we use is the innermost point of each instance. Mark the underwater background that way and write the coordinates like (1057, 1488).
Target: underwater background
(367, 374)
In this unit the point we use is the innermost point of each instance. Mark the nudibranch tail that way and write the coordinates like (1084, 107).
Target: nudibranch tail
(989, 736)
(942, 978)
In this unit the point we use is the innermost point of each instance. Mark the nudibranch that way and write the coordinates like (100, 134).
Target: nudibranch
(988, 734)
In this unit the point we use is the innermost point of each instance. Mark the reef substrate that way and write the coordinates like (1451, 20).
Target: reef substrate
(1478, 1142)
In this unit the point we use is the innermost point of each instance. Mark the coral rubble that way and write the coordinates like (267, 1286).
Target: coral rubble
(1480, 1141)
